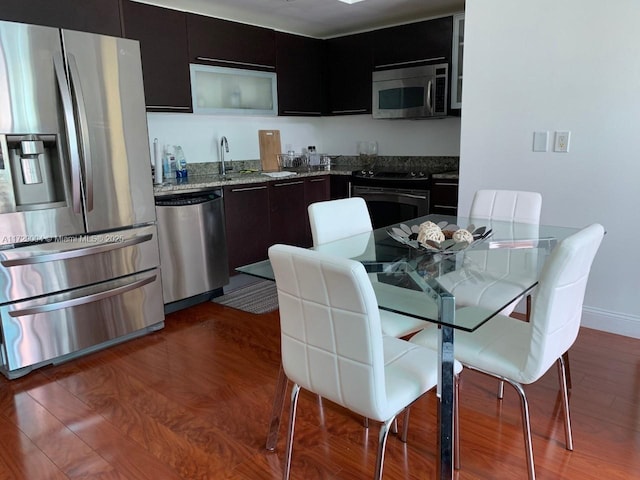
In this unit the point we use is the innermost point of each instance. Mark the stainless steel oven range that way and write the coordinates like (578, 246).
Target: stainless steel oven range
(392, 196)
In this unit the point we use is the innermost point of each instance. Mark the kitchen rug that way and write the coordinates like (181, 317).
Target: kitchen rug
(259, 297)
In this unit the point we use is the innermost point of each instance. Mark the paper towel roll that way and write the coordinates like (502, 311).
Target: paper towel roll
(157, 162)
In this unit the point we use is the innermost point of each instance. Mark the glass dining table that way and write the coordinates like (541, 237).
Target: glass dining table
(459, 288)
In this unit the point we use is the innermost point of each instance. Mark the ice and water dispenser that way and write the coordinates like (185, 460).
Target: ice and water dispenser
(30, 173)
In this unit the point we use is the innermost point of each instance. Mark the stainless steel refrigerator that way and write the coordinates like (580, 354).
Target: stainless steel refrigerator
(79, 261)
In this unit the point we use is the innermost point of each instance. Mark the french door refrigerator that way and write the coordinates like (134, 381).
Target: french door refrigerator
(79, 261)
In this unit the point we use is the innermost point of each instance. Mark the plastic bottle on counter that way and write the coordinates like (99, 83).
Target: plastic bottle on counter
(181, 163)
(169, 162)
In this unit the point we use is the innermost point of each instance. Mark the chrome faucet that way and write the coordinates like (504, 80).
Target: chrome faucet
(224, 147)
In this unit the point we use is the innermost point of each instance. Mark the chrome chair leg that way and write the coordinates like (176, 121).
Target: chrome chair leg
(405, 425)
(295, 391)
(526, 426)
(562, 376)
(382, 442)
(276, 410)
(501, 390)
(456, 423)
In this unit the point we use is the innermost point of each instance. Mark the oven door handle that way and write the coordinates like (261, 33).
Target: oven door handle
(371, 195)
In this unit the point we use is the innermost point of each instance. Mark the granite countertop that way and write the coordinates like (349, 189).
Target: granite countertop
(203, 176)
(194, 183)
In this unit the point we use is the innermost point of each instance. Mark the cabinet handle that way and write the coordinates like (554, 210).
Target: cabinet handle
(301, 112)
(449, 207)
(247, 189)
(410, 62)
(446, 184)
(169, 107)
(356, 110)
(246, 64)
(287, 184)
(317, 180)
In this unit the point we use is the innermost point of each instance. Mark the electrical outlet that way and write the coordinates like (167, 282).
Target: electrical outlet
(562, 142)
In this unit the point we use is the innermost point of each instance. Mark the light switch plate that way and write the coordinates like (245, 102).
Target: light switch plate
(540, 141)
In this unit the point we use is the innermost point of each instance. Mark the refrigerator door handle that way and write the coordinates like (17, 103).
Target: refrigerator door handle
(83, 300)
(84, 129)
(77, 252)
(72, 136)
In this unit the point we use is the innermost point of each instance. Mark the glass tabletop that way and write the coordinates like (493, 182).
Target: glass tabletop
(483, 277)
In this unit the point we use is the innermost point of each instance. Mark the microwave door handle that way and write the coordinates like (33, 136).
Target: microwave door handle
(72, 136)
(84, 129)
(429, 105)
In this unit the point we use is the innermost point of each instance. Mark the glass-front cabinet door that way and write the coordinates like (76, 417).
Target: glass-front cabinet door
(456, 61)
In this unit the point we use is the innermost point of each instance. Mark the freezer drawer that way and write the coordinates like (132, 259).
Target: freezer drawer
(39, 331)
(71, 262)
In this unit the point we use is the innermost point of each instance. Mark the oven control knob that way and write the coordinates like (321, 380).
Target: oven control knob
(421, 174)
(370, 173)
(412, 174)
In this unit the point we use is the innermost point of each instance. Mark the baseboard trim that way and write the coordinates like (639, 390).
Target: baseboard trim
(612, 322)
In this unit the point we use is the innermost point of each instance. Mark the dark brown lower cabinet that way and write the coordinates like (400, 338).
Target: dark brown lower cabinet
(340, 186)
(444, 197)
(287, 211)
(316, 189)
(257, 215)
(246, 210)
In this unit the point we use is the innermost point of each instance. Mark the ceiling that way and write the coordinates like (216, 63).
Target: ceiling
(318, 18)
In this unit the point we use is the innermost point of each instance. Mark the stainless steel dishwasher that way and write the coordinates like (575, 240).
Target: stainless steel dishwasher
(193, 247)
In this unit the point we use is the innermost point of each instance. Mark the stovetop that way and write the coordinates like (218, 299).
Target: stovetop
(392, 174)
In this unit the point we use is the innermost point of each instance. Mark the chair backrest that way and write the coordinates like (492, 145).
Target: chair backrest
(507, 205)
(336, 219)
(557, 306)
(331, 338)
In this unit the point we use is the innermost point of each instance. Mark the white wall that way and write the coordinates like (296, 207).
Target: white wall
(570, 65)
(199, 135)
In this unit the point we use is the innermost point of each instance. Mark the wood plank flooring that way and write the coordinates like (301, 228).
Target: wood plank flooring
(192, 401)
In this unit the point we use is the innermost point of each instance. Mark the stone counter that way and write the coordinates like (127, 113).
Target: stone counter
(203, 176)
(194, 183)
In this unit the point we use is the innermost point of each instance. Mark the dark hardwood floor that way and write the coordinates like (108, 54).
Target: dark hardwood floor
(192, 402)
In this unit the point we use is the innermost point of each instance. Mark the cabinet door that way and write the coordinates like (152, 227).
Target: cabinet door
(95, 16)
(456, 60)
(413, 43)
(246, 210)
(316, 189)
(444, 197)
(340, 186)
(162, 34)
(349, 68)
(213, 41)
(288, 212)
(300, 75)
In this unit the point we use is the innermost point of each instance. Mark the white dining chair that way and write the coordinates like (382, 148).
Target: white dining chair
(521, 352)
(333, 220)
(332, 342)
(514, 206)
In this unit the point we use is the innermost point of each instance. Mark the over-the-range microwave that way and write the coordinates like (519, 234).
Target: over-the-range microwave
(415, 92)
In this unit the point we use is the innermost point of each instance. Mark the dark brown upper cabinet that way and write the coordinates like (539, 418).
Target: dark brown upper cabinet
(213, 41)
(162, 34)
(407, 45)
(95, 16)
(348, 68)
(300, 67)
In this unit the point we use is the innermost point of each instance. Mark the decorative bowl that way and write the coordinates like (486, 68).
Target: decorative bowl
(408, 235)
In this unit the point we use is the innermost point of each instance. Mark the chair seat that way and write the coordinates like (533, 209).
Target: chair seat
(500, 347)
(410, 370)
